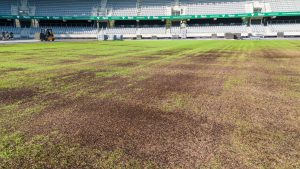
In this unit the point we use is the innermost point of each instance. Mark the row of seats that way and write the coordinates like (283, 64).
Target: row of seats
(121, 31)
(295, 27)
(145, 7)
(68, 30)
(285, 27)
(10, 29)
(155, 7)
(196, 7)
(283, 5)
(217, 8)
(5, 7)
(126, 8)
(258, 28)
(208, 29)
(217, 29)
(153, 30)
(144, 30)
(64, 8)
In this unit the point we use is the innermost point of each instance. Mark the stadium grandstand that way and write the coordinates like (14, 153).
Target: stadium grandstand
(139, 19)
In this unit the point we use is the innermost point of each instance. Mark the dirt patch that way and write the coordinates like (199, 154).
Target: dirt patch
(16, 94)
(12, 70)
(68, 61)
(134, 50)
(188, 66)
(87, 78)
(75, 77)
(88, 56)
(148, 58)
(167, 138)
(275, 54)
(7, 53)
(290, 73)
(167, 52)
(27, 59)
(160, 85)
(29, 54)
(209, 56)
(144, 58)
(127, 64)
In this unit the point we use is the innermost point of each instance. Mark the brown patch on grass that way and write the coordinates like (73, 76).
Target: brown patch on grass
(270, 83)
(166, 52)
(8, 52)
(26, 59)
(275, 54)
(90, 80)
(29, 54)
(75, 77)
(126, 64)
(135, 50)
(16, 94)
(12, 70)
(146, 57)
(187, 66)
(290, 73)
(167, 138)
(89, 56)
(160, 84)
(68, 61)
(273, 79)
(256, 68)
(210, 56)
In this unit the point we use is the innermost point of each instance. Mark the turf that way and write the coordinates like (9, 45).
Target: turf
(150, 104)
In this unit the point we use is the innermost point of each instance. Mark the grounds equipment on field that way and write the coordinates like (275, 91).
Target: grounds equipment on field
(47, 35)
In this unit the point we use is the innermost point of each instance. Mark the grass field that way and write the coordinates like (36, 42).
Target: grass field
(150, 104)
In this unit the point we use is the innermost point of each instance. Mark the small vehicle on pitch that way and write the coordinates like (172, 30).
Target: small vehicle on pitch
(47, 35)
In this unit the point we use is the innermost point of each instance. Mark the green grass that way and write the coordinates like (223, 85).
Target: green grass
(253, 95)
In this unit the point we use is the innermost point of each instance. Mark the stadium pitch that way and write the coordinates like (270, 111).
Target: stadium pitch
(150, 104)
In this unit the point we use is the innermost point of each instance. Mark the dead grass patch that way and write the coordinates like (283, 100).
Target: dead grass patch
(29, 54)
(145, 133)
(148, 58)
(126, 64)
(68, 61)
(185, 66)
(75, 77)
(17, 94)
(7, 52)
(89, 56)
(210, 56)
(12, 70)
(161, 84)
(275, 54)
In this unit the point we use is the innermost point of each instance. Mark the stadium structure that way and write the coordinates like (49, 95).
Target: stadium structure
(152, 19)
